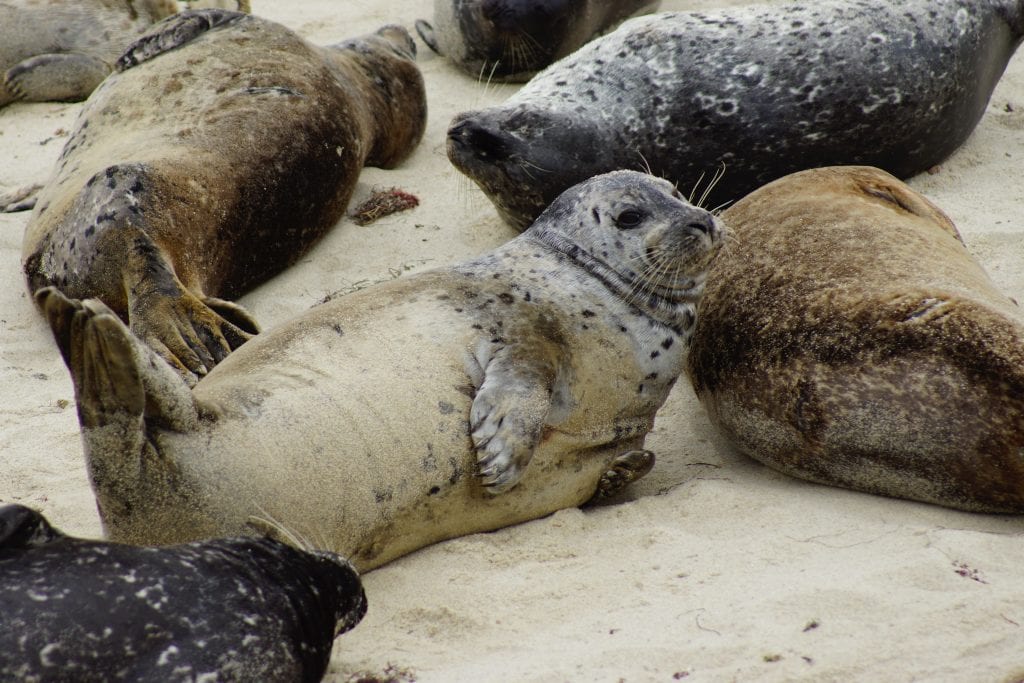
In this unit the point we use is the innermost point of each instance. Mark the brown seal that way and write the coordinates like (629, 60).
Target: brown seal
(448, 402)
(848, 337)
(223, 148)
(61, 49)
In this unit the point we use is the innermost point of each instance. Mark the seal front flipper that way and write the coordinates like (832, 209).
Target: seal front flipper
(55, 77)
(121, 387)
(515, 401)
(174, 32)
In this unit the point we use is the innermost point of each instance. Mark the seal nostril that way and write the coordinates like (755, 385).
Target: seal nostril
(482, 141)
(700, 226)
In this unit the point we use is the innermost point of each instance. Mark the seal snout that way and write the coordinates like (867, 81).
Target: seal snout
(467, 133)
(533, 19)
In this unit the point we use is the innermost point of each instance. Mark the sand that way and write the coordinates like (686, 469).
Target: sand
(718, 569)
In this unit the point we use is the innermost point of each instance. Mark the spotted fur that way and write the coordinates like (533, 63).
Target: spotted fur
(763, 90)
(238, 609)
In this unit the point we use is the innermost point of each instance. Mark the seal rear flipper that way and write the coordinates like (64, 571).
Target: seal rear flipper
(22, 527)
(55, 77)
(623, 471)
(124, 392)
(173, 32)
(20, 198)
(427, 35)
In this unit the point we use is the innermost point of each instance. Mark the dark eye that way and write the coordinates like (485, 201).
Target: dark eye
(630, 218)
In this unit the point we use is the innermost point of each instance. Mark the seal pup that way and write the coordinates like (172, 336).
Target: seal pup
(847, 337)
(238, 609)
(762, 90)
(444, 403)
(511, 40)
(221, 150)
(61, 49)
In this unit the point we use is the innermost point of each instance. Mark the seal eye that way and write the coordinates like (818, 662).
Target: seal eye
(630, 218)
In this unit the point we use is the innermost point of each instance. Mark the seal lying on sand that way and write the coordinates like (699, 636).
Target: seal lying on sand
(762, 90)
(62, 49)
(847, 337)
(239, 609)
(510, 40)
(370, 422)
(223, 148)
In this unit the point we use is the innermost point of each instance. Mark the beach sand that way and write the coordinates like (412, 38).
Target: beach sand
(717, 569)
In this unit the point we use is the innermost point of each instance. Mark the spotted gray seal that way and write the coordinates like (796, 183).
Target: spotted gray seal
(510, 40)
(391, 418)
(848, 337)
(236, 609)
(221, 150)
(62, 49)
(762, 90)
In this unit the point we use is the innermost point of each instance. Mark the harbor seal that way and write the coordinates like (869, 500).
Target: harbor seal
(236, 609)
(511, 40)
(762, 90)
(847, 337)
(221, 150)
(61, 49)
(444, 403)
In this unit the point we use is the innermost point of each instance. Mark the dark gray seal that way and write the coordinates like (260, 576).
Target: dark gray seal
(221, 150)
(237, 609)
(762, 90)
(61, 49)
(444, 403)
(510, 40)
(847, 337)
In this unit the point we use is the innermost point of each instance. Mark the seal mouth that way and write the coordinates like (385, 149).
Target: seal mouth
(668, 304)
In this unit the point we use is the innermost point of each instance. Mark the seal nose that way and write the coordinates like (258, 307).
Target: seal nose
(531, 18)
(703, 223)
(484, 143)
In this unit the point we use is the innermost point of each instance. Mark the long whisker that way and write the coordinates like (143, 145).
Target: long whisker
(267, 523)
(719, 173)
(696, 186)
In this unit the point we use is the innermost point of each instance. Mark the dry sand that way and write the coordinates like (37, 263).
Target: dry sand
(719, 569)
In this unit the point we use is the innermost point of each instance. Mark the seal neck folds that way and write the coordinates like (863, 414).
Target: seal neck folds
(673, 307)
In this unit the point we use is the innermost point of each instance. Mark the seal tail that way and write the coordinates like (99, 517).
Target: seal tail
(122, 388)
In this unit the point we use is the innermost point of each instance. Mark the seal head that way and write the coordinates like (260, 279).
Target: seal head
(510, 40)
